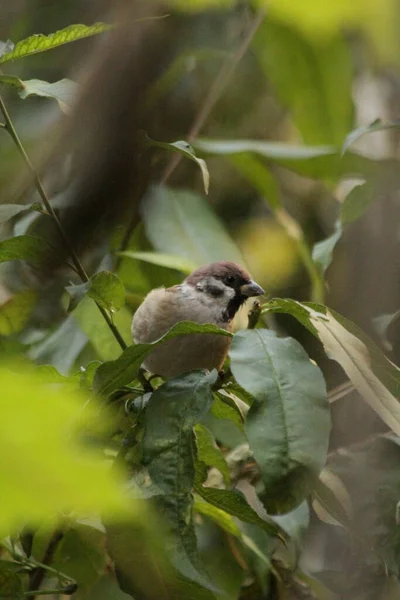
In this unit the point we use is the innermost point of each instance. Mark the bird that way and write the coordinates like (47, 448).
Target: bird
(212, 294)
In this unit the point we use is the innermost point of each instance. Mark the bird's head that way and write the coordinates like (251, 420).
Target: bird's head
(228, 284)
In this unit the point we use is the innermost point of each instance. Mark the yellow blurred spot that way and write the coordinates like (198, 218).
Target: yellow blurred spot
(269, 252)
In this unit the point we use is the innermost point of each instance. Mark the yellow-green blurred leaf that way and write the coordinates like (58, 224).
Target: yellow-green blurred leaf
(14, 313)
(45, 468)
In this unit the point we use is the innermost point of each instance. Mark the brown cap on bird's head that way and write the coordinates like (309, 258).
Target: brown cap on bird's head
(220, 270)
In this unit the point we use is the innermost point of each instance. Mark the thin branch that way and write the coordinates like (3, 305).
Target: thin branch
(9, 126)
(216, 90)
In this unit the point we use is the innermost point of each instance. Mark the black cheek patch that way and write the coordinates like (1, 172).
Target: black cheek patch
(214, 290)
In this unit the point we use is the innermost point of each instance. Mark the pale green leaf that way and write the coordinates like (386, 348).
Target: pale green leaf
(107, 289)
(375, 377)
(163, 260)
(222, 518)
(181, 223)
(322, 251)
(64, 91)
(288, 424)
(258, 174)
(8, 211)
(186, 150)
(41, 43)
(377, 125)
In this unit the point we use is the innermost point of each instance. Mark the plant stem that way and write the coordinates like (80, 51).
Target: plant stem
(9, 126)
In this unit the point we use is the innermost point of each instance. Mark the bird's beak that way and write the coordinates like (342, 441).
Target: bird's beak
(251, 289)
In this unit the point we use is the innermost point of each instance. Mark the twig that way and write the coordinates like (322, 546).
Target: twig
(9, 126)
(216, 90)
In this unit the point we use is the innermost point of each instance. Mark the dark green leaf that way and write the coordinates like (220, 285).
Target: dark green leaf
(163, 260)
(209, 453)
(107, 290)
(288, 425)
(372, 374)
(231, 502)
(169, 454)
(81, 555)
(10, 586)
(377, 125)
(186, 150)
(313, 80)
(8, 211)
(176, 222)
(24, 247)
(112, 375)
(41, 43)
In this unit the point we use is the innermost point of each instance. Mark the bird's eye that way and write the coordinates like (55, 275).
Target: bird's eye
(230, 279)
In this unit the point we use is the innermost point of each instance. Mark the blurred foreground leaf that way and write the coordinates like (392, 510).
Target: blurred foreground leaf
(375, 377)
(288, 424)
(15, 313)
(45, 468)
(8, 211)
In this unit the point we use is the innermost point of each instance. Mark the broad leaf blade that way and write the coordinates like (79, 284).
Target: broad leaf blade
(163, 260)
(182, 223)
(169, 454)
(375, 377)
(288, 425)
(23, 247)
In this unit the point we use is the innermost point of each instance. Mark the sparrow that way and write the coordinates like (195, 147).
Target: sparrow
(211, 294)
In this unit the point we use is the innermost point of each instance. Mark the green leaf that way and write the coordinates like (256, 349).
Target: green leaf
(91, 322)
(64, 91)
(41, 43)
(319, 162)
(81, 555)
(209, 453)
(222, 518)
(224, 407)
(114, 374)
(377, 125)
(231, 502)
(331, 501)
(322, 251)
(76, 294)
(169, 454)
(313, 80)
(15, 313)
(163, 260)
(253, 169)
(40, 430)
(24, 247)
(186, 150)
(357, 202)
(8, 211)
(375, 377)
(107, 289)
(176, 222)
(10, 586)
(288, 424)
